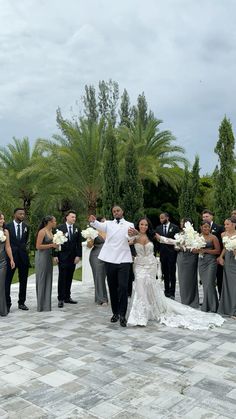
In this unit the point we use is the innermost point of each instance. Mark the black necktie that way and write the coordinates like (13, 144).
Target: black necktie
(165, 230)
(18, 232)
(117, 220)
(70, 232)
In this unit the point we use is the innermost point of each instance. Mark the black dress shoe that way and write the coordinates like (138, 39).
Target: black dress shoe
(22, 307)
(115, 318)
(123, 321)
(60, 304)
(70, 301)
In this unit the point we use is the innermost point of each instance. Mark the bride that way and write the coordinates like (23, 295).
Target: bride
(148, 301)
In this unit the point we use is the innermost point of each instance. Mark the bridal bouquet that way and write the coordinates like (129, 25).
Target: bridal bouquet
(230, 243)
(189, 239)
(89, 233)
(59, 238)
(2, 236)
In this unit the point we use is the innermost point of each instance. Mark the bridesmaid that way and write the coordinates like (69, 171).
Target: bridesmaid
(207, 264)
(43, 262)
(187, 263)
(98, 267)
(227, 259)
(5, 250)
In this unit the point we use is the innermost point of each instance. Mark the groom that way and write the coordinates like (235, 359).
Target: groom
(117, 257)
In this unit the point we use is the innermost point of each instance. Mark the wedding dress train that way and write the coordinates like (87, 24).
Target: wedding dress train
(149, 303)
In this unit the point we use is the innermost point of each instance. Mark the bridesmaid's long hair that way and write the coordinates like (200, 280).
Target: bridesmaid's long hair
(4, 224)
(45, 221)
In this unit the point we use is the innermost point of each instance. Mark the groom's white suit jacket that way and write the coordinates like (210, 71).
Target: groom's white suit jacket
(116, 248)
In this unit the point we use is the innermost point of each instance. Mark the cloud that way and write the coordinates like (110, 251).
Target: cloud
(180, 53)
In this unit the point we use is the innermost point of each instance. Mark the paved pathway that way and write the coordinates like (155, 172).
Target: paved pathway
(73, 363)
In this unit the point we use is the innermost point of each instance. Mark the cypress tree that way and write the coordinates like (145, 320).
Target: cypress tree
(125, 111)
(185, 198)
(194, 190)
(110, 173)
(224, 187)
(90, 103)
(132, 186)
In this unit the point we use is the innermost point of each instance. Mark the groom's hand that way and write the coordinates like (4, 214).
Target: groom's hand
(132, 232)
(92, 218)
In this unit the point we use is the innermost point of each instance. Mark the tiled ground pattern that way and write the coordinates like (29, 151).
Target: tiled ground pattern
(73, 363)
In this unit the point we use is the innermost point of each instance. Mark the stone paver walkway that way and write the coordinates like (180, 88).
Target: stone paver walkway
(73, 363)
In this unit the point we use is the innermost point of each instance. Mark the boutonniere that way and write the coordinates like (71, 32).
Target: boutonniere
(170, 229)
(66, 234)
(25, 230)
(76, 230)
(213, 230)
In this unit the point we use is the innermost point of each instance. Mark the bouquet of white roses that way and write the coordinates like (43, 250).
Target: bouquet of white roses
(59, 238)
(189, 239)
(230, 243)
(89, 233)
(2, 236)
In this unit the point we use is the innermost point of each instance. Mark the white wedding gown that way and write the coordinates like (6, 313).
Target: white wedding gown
(149, 303)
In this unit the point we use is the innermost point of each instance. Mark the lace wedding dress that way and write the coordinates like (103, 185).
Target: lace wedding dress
(149, 303)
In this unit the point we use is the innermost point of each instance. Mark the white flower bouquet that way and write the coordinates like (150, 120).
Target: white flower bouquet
(89, 233)
(59, 238)
(189, 239)
(230, 243)
(2, 236)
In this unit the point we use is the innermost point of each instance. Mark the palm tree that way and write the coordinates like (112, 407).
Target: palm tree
(158, 157)
(76, 159)
(14, 159)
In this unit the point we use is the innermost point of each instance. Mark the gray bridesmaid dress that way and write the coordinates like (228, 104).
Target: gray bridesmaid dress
(99, 273)
(3, 269)
(43, 268)
(188, 281)
(228, 295)
(207, 272)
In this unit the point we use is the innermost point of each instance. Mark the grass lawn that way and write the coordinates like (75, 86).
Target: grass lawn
(77, 274)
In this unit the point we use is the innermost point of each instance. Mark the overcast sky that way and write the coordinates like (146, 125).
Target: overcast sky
(181, 53)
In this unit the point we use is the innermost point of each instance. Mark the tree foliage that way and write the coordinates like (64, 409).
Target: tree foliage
(132, 186)
(224, 185)
(111, 185)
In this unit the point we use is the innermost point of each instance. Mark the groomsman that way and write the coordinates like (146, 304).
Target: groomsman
(117, 257)
(67, 258)
(216, 229)
(168, 254)
(19, 238)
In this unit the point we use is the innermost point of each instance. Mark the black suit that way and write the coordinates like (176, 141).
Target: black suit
(66, 256)
(21, 259)
(217, 229)
(168, 257)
